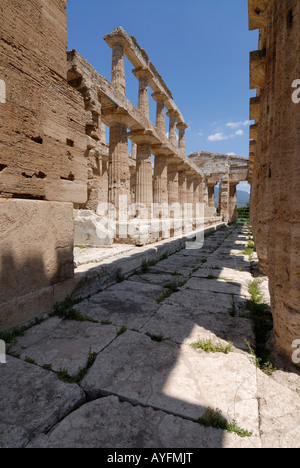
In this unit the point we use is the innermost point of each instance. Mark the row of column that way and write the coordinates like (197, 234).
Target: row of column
(173, 181)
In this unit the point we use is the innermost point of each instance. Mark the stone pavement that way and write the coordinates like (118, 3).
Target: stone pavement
(127, 377)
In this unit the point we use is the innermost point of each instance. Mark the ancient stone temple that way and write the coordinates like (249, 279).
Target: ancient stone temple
(64, 181)
(274, 159)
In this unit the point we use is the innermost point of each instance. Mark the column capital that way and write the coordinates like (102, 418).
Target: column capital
(141, 73)
(173, 113)
(159, 96)
(182, 126)
(140, 137)
(116, 37)
(182, 167)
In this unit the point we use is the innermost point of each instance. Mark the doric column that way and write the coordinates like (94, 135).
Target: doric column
(160, 185)
(196, 193)
(119, 174)
(211, 199)
(144, 189)
(144, 192)
(160, 111)
(173, 115)
(181, 137)
(205, 196)
(182, 185)
(172, 181)
(118, 68)
(190, 199)
(224, 198)
(143, 74)
(233, 214)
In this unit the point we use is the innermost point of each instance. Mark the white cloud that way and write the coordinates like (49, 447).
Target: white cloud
(239, 132)
(238, 124)
(217, 137)
(244, 186)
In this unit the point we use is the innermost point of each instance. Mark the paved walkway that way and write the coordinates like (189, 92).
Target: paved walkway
(129, 376)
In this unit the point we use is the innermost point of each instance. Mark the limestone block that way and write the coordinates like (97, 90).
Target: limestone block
(91, 229)
(36, 245)
(32, 401)
(108, 422)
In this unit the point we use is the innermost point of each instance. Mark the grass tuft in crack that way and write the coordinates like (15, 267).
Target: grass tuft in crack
(65, 377)
(65, 310)
(209, 347)
(262, 323)
(214, 418)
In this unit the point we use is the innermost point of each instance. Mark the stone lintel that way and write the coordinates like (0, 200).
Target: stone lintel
(138, 57)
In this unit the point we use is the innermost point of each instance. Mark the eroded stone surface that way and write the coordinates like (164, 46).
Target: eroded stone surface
(32, 400)
(109, 423)
(64, 344)
(179, 380)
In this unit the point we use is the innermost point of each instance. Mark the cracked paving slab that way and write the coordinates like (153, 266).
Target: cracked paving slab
(32, 400)
(129, 304)
(108, 422)
(178, 380)
(64, 344)
(186, 326)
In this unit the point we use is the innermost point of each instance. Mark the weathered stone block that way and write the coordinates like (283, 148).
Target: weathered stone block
(36, 245)
(91, 229)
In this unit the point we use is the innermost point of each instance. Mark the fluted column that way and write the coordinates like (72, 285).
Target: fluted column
(224, 199)
(181, 136)
(160, 185)
(182, 186)
(144, 191)
(196, 194)
(119, 174)
(233, 214)
(173, 115)
(160, 112)
(173, 182)
(118, 67)
(211, 199)
(205, 196)
(190, 200)
(143, 74)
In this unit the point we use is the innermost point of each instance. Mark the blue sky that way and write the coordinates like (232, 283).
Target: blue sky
(199, 47)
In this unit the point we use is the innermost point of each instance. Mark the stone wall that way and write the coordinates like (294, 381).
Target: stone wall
(42, 140)
(275, 165)
(42, 161)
